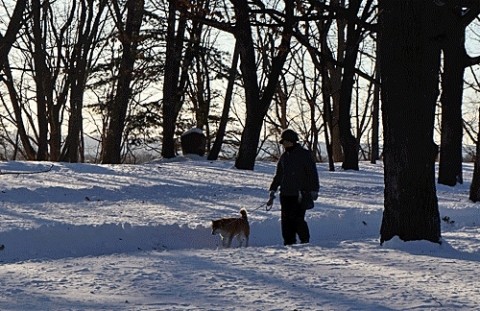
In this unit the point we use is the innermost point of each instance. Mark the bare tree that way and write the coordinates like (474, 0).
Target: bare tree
(7, 39)
(129, 37)
(79, 66)
(43, 79)
(475, 185)
(173, 87)
(256, 104)
(337, 62)
(233, 73)
(454, 62)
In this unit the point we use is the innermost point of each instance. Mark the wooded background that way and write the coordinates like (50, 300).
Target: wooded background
(363, 78)
(100, 80)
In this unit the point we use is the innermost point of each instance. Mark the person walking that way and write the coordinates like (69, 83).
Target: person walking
(296, 175)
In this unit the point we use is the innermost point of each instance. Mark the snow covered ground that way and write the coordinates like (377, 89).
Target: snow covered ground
(137, 237)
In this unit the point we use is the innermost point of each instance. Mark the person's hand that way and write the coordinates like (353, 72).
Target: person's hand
(272, 197)
(314, 195)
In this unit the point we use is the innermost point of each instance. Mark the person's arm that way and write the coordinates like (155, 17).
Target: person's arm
(278, 176)
(313, 183)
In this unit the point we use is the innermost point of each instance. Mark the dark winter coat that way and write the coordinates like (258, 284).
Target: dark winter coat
(296, 171)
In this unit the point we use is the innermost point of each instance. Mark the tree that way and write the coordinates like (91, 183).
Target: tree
(214, 152)
(173, 88)
(454, 62)
(7, 40)
(79, 63)
(257, 101)
(474, 195)
(129, 37)
(410, 62)
(43, 81)
(338, 64)
(52, 58)
(354, 35)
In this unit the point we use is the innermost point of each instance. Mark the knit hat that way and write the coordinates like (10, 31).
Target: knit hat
(288, 135)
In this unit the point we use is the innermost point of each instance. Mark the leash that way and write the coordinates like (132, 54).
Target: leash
(267, 207)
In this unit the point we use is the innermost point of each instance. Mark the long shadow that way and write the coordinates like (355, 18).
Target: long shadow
(64, 241)
(262, 277)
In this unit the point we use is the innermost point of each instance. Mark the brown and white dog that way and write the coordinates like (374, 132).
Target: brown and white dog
(231, 227)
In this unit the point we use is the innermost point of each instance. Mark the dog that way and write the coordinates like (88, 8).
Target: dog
(228, 228)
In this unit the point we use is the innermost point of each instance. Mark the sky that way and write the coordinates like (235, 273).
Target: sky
(138, 237)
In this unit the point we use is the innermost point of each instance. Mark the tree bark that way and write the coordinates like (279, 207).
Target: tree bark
(410, 62)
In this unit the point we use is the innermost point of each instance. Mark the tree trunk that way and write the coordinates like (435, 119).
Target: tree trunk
(171, 96)
(475, 186)
(117, 113)
(327, 114)
(250, 136)
(28, 150)
(217, 145)
(376, 113)
(88, 27)
(410, 62)
(455, 59)
(256, 107)
(42, 76)
(348, 141)
(354, 31)
(450, 166)
(14, 26)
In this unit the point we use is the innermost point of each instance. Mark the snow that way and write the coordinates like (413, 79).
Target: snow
(138, 237)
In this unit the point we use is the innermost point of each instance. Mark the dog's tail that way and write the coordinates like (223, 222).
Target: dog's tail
(243, 212)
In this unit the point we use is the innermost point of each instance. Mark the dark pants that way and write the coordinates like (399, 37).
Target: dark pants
(293, 221)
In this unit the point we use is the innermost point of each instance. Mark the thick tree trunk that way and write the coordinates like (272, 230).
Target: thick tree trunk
(410, 62)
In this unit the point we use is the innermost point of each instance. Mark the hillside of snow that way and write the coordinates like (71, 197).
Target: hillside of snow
(138, 237)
